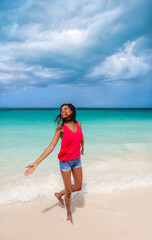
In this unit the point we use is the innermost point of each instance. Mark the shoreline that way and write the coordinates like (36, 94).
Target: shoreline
(119, 215)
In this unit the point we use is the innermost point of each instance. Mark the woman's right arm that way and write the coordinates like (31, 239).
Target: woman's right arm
(48, 150)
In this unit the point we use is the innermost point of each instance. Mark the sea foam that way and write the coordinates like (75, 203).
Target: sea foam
(98, 177)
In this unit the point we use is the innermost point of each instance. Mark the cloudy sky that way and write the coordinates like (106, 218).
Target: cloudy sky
(91, 53)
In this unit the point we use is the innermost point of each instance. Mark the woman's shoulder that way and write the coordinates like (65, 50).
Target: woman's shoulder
(79, 123)
(59, 128)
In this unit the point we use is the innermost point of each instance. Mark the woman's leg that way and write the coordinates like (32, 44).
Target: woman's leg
(66, 175)
(77, 186)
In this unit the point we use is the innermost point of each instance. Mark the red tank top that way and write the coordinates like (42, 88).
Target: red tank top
(70, 144)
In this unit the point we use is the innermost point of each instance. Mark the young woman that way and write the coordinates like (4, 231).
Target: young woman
(72, 146)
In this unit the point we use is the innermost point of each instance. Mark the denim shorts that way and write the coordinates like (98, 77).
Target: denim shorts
(67, 165)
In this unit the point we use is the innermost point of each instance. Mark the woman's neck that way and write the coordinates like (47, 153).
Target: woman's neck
(69, 121)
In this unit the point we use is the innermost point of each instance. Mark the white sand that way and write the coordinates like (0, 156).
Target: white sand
(119, 215)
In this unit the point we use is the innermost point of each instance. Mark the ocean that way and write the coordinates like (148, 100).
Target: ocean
(117, 152)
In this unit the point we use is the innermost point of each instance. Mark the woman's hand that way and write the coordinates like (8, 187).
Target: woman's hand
(82, 151)
(30, 170)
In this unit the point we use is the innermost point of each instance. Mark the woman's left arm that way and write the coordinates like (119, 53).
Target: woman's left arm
(82, 143)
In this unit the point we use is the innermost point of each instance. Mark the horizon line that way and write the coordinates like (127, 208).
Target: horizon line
(47, 108)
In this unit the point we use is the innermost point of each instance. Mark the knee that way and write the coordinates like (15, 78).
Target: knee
(78, 188)
(68, 193)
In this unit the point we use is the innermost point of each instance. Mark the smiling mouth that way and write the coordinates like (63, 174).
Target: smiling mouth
(64, 114)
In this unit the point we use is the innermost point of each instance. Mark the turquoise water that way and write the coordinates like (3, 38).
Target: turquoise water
(118, 151)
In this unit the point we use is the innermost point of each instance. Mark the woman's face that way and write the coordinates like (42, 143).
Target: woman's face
(65, 111)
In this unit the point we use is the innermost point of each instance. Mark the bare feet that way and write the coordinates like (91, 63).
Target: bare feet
(69, 217)
(57, 195)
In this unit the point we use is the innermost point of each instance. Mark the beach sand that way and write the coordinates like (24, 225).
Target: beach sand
(119, 215)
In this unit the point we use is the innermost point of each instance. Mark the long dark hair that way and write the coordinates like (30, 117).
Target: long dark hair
(59, 118)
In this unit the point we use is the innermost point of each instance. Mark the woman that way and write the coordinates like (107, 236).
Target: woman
(69, 156)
